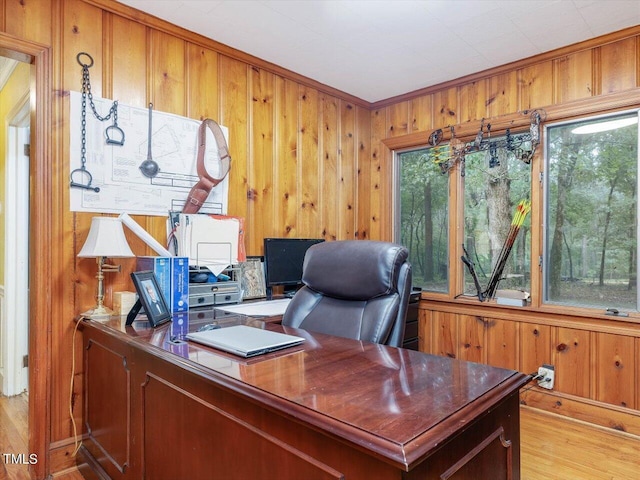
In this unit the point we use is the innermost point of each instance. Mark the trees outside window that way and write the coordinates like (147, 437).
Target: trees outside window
(591, 248)
(423, 211)
(495, 182)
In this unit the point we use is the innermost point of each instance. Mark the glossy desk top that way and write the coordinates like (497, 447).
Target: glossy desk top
(399, 403)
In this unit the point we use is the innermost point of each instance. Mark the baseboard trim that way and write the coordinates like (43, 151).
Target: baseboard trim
(620, 419)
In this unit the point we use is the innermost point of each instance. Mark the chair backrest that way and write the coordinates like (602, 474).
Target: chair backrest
(353, 288)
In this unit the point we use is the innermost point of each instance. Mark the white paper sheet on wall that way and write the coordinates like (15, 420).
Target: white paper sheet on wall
(115, 169)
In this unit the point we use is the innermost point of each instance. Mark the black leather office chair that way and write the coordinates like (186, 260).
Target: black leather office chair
(354, 288)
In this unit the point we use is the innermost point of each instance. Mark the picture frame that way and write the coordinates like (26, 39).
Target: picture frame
(252, 280)
(150, 298)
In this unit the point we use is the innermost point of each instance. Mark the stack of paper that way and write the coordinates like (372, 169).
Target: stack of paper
(208, 241)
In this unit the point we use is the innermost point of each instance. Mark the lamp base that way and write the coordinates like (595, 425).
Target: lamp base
(100, 313)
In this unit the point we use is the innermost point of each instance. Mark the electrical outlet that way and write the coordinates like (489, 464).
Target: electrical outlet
(547, 376)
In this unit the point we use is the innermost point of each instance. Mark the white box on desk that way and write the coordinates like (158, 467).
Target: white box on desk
(123, 302)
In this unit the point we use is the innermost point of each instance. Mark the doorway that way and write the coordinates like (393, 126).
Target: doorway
(14, 312)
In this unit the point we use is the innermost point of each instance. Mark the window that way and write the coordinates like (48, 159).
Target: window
(591, 221)
(587, 252)
(423, 223)
(496, 178)
(496, 182)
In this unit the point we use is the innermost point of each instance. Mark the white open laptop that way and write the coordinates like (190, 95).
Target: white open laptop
(245, 341)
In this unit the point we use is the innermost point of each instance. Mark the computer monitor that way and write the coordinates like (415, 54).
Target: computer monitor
(283, 259)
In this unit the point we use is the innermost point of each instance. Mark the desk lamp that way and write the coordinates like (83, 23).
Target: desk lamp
(106, 239)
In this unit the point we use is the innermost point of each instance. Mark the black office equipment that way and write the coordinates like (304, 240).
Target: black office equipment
(283, 259)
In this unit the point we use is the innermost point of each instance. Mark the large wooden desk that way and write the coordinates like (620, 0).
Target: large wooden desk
(332, 408)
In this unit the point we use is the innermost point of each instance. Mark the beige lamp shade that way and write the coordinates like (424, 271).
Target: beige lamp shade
(106, 239)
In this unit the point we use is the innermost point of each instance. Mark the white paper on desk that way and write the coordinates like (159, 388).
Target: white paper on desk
(266, 308)
(208, 242)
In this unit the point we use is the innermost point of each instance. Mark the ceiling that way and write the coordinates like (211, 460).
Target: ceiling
(378, 49)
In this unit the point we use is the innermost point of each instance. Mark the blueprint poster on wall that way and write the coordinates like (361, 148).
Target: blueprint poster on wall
(115, 169)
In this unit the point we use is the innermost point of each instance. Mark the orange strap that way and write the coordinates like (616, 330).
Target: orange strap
(201, 190)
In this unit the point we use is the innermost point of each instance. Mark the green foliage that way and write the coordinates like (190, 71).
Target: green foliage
(592, 214)
(424, 217)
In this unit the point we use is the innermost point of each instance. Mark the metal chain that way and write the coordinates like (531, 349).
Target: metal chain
(86, 91)
(83, 149)
(81, 177)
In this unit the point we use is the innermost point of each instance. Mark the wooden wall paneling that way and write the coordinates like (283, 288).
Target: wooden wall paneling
(637, 63)
(503, 94)
(471, 338)
(128, 62)
(262, 158)
(347, 172)
(616, 370)
(363, 173)
(618, 66)
(25, 20)
(573, 76)
(80, 33)
(168, 67)
(202, 83)
(425, 330)
(535, 347)
(310, 165)
(445, 108)
(535, 88)
(398, 119)
(167, 92)
(502, 343)
(287, 160)
(378, 153)
(572, 361)
(445, 334)
(233, 83)
(421, 114)
(329, 207)
(473, 101)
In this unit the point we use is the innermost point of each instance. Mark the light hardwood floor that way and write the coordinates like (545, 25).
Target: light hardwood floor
(14, 415)
(556, 448)
(552, 447)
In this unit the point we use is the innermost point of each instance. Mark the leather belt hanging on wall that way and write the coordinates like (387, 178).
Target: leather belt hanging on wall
(201, 190)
